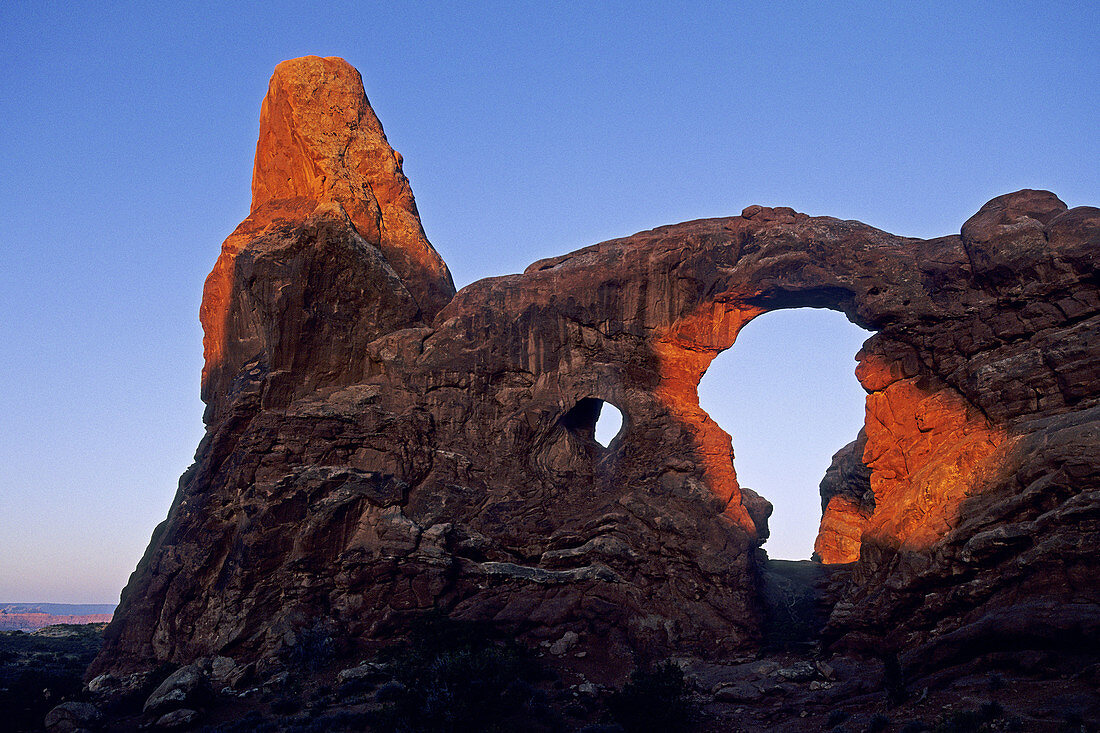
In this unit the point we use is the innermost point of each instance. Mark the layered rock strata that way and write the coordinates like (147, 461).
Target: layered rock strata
(376, 448)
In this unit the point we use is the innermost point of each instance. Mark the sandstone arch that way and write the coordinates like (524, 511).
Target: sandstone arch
(376, 448)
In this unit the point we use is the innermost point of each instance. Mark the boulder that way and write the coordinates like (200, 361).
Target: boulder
(181, 718)
(798, 672)
(183, 687)
(738, 692)
(103, 684)
(567, 641)
(847, 504)
(72, 716)
(367, 671)
(223, 670)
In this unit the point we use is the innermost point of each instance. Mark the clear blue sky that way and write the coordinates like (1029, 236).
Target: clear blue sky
(528, 130)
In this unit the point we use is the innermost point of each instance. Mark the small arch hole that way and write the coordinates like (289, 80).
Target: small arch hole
(594, 419)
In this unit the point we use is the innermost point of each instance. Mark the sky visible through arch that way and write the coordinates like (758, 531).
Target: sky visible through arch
(527, 129)
(787, 394)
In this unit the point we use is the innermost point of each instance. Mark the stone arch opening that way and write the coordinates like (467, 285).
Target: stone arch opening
(787, 395)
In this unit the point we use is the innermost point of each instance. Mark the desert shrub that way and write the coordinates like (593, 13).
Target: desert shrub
(391, 691)
(455, 677)
(877, 723)
(252, 722)
(654, 700)
(355, 687)
(836, 717)
(38, 672)
(331, 722)
(1073, 723)
(962, 721)
(461, 690)
(967, 721)
(576, 710)
(314, 649)
(285, 705)
(991, 710)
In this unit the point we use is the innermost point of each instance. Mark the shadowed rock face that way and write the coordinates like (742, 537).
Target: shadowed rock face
(372, 452)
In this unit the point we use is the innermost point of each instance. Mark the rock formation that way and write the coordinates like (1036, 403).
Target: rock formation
(376, 447)
(321, 158)
(847, 503)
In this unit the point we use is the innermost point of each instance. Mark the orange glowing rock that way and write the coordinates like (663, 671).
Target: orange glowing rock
(321, 152)
(684, 351)
(927, 450)
(841, 533)
(320, 140)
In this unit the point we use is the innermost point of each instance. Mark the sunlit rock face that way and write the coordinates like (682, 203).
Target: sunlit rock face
(847, 503)
(325, 178)
(377, 448)
(320, 139)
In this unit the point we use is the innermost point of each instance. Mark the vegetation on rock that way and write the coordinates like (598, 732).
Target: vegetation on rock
(41, 669)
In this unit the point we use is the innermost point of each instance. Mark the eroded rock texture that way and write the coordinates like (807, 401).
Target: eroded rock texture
(376, 448)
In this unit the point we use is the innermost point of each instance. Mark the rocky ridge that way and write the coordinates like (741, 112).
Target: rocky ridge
(377, 448)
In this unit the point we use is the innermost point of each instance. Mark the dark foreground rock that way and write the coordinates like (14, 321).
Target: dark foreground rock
(451, 676)
(379, 447)
(72, 716)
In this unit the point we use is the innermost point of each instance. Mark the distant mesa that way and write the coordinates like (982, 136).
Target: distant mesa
(379, 446)
(35, 616)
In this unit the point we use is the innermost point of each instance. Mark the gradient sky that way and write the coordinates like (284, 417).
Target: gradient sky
(528, 130)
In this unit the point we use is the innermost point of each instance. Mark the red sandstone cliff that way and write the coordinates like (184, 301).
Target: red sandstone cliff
(376, 448)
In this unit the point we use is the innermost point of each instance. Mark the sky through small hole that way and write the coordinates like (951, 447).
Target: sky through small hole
(609, 424)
